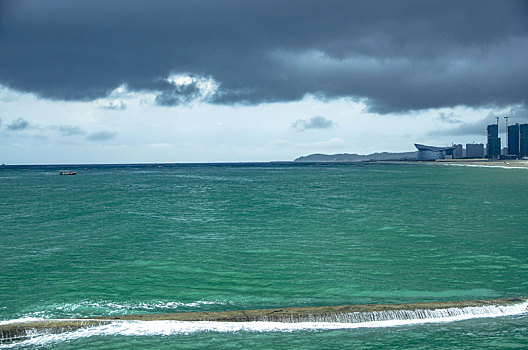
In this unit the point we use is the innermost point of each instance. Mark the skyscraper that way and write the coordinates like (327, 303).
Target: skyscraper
(513, 140)
(494, 143)
(523, 131)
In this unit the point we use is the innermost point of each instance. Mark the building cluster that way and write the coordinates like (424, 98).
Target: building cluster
(517, 136)
(516, 146)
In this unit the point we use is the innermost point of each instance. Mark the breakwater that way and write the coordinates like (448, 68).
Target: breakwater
(20, 330)
(332, 314)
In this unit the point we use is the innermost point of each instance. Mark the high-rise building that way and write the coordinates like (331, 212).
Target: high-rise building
(457, 151)
(493, 130)
(523, 146)
(494, 142)
(474, 150)
(513, 140)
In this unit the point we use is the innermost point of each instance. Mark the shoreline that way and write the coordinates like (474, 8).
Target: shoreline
(514, 164)
(484, 163)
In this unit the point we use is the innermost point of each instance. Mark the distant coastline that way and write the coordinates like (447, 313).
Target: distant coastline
(409, 158)
(352, 157)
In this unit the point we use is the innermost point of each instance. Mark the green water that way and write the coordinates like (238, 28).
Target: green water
(137, 239)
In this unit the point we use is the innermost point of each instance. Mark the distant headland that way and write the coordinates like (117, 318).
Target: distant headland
(347, 157)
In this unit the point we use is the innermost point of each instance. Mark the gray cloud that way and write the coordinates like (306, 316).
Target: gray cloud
(517, 114)
(101, 135)
(113, 105)
(18, 124)
(67, 130)
(477, 128)
(450, 118)
(395, 55)
(317, 122)
(178, 95)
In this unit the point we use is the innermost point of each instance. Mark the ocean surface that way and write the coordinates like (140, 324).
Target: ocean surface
(116, 240)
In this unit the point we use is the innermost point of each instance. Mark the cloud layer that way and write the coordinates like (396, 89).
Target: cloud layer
(517, 114)
(395, 55)
(317, 122)
(18, 124)
(101, 135)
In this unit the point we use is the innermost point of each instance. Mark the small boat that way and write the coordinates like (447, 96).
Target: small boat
(67, 173)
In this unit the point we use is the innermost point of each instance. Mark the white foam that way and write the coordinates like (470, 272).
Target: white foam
(110, 308)
(157, 305)
(171, 328)
(21, 320)
(488, 166)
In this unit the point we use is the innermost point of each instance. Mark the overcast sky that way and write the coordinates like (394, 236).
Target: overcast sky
(101, 81)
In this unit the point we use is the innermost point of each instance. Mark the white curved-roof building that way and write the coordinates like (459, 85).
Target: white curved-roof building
(432, 152)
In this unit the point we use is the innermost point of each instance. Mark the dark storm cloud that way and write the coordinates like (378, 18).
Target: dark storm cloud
(395, 55)
(101, 135)
(18, 124)
(317, 122)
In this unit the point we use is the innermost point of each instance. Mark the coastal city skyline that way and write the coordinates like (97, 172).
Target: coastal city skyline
(231, 82)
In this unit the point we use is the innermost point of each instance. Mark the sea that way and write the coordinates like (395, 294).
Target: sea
(144, 238)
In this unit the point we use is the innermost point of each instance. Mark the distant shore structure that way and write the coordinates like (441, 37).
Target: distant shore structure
(516, 142)
(516, 145)
(474, 150)
(432, 152)
(494, 141)
(516, 148)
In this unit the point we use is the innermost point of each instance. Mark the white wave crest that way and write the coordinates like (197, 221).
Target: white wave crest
(173, 328)
(488, 166)
(87, 308)
(21, 320)
(110, 307)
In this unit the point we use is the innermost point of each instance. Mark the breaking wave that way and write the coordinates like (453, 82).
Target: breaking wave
(109, 308)
(488, 166)
(113, 307)
(370, 319)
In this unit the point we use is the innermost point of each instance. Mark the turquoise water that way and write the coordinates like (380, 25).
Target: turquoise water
(137, 239)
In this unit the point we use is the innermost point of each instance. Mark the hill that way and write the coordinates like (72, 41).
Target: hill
(346, 157)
